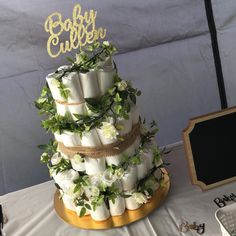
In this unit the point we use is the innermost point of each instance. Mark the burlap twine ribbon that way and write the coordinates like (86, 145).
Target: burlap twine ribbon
(104, 150)
(67, 103)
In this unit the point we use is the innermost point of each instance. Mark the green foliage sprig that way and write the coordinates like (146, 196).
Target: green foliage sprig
(45, 103)
(49, 150)
(89, 58)
(147, 136)
(115, 101)
(143, 185)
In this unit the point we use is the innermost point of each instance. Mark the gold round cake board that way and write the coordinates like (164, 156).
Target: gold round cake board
(86, 222)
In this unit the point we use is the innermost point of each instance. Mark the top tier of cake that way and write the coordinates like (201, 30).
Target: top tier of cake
(92, 98)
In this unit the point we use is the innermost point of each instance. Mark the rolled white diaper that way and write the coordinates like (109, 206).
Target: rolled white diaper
(101, 213)
(129, 179)
(89, 84)
(78, 209)
(148, 156)
(53, 85)
(62, 109)
(76, 109)
(65, 179)
(114, 160)
(125, 124)
(137, 142)
(90, 139)
(130, 151)
(94, 166)
(131, 203)
(58, 137)
(68, 202)
(70, 139)
(118, 207)
(142, 168)
(135, 114)
(105, 80)
(106, 139)
(72, 82)
(78, 163)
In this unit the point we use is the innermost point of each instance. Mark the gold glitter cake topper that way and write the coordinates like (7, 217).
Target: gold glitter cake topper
(81, 29)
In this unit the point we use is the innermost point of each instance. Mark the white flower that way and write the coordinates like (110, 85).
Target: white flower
(109, 131)
(95, 180)
(77, 163)
(70, 191)
(140, 197)
(91, 191)
(108, 178)
(122, 85)
(106, 43)
(119, 173)
(67, 175)
(143, 129)
(56, 158)
(65, 178)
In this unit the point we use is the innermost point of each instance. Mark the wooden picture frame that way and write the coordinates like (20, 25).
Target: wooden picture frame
(206, 139)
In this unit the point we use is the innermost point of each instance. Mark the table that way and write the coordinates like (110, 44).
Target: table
(30, 211)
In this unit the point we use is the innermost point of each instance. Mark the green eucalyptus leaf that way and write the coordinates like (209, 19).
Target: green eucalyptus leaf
(88, 206)
(82, 211)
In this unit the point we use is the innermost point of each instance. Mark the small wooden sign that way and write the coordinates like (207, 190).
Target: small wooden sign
(210, 146)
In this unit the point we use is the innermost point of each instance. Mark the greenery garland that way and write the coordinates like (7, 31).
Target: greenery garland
(115, 103)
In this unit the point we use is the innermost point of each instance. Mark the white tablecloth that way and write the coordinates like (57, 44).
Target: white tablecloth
(30, 211)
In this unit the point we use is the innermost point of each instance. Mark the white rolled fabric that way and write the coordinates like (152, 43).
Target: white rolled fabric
(77, 109)
(58, 137)
(89, 84)
(78, 209)
(142, 168)
(64, 67)
(90, 139)
(156, 186)
(68, 202)
(104, 140)
(62, 109)
(118, 207)
(114, 160)
(105, 80)
(126, 124)
(131, 203)
(70, 139)
(94, 166)
(137, 142)
(158, 174)
(148, 156)
(77, 163)
(135, 114)
(130, 151)
(72, 82)
(65, 179)
(101, 213)
(53, 85)
(129, 179)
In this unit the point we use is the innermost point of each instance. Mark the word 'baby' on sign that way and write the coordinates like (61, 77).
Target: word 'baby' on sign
(81, 29)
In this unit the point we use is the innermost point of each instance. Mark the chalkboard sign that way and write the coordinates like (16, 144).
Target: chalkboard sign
(210, 146)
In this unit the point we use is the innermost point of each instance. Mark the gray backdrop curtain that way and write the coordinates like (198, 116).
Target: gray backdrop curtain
(164, 48)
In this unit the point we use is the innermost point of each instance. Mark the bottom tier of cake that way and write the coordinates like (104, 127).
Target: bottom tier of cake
(129, 216)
